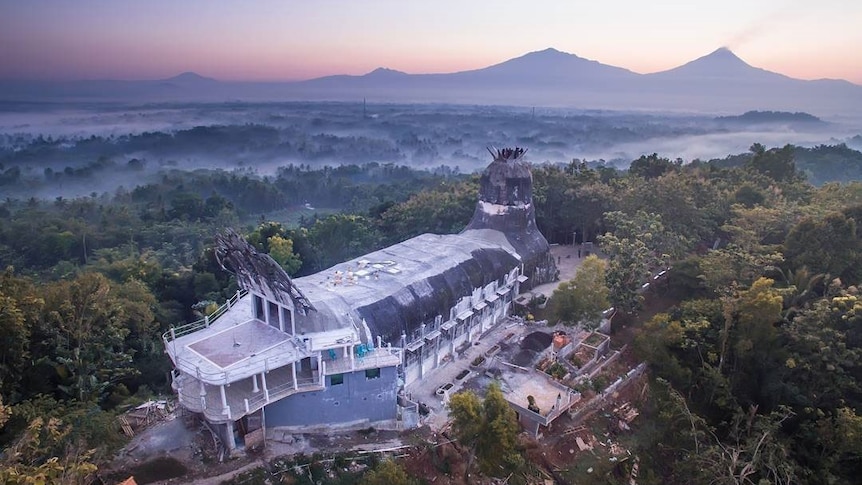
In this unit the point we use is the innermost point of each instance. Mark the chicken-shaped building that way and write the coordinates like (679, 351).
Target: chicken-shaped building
(336, 347)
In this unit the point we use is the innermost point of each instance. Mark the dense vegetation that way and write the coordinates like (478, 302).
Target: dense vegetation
(757, 367)
(771, 117)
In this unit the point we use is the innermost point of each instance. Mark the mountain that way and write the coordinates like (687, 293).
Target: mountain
(189, 79)
(733, 84)
(721, 65)
(547, 67)
(719, 82)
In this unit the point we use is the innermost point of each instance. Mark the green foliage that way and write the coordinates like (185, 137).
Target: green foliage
(488, 429)
(29, 460)
(388, 472)
(636, 245)
(272, 238)
(652, 166)
(444, 210)
(826, 245)
(585, 297)
(777, 163)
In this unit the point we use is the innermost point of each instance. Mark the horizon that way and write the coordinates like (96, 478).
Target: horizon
(275, 41)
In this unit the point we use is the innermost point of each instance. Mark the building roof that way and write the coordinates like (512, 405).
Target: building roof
(396, 289)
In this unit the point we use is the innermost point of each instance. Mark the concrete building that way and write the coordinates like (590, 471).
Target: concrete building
(335, 348)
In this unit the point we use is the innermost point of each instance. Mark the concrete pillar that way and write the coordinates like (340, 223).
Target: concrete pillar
(254, 387)
(281, 311)
(352, 359)
(323, 373)
(229, 441)
(263, 383)
(293, 373)
(223, 397)
(452, 340)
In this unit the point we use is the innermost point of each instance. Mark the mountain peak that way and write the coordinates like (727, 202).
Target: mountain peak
(724, 54)
(721, 63)
(385, 71)
(549, 53)
(190, 77)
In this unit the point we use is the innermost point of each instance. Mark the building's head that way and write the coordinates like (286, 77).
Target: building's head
(505, 208)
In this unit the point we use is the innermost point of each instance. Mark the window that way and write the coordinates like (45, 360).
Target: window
(272, 319)
(258, 308)
(372, 373)
(337, 379)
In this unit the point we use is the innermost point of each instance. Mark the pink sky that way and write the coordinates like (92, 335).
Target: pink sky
(288, 40)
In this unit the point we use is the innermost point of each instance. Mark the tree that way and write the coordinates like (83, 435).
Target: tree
(84, 327)
(637, 244)
(488, 429)
(31, 459)
(19, 308)
(828, 245)
(585, 297)
(465, 410)
(388, 472)
(497, 444)
(777, 163)
(340, 237)
(653, 166)
(281, 250)
(444, 210)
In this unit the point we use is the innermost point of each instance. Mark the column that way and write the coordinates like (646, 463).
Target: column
(223, 396)
(254, 387)
(230, 442)
(263, 383)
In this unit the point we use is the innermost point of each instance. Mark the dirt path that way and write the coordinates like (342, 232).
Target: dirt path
(568, 261)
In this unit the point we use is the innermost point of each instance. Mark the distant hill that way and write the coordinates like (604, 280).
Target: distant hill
(719, 82)
(190, 79)
(754, 117)
(820, 164)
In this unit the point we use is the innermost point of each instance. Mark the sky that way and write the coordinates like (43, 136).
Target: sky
(279, 40)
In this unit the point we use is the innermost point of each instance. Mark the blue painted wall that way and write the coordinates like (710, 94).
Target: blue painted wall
(357, 398)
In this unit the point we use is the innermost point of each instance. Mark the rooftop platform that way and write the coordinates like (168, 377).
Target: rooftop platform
(551, 397)
(233, 347)
(234, 344)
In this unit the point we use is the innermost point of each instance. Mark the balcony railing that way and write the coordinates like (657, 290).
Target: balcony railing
(204, 322)
(240, 396)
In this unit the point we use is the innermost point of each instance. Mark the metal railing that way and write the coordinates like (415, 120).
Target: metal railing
(204, 322)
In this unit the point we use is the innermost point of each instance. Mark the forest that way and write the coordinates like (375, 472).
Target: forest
(756, 367)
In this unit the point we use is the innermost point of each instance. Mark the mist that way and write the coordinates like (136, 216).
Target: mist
(71, 150)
